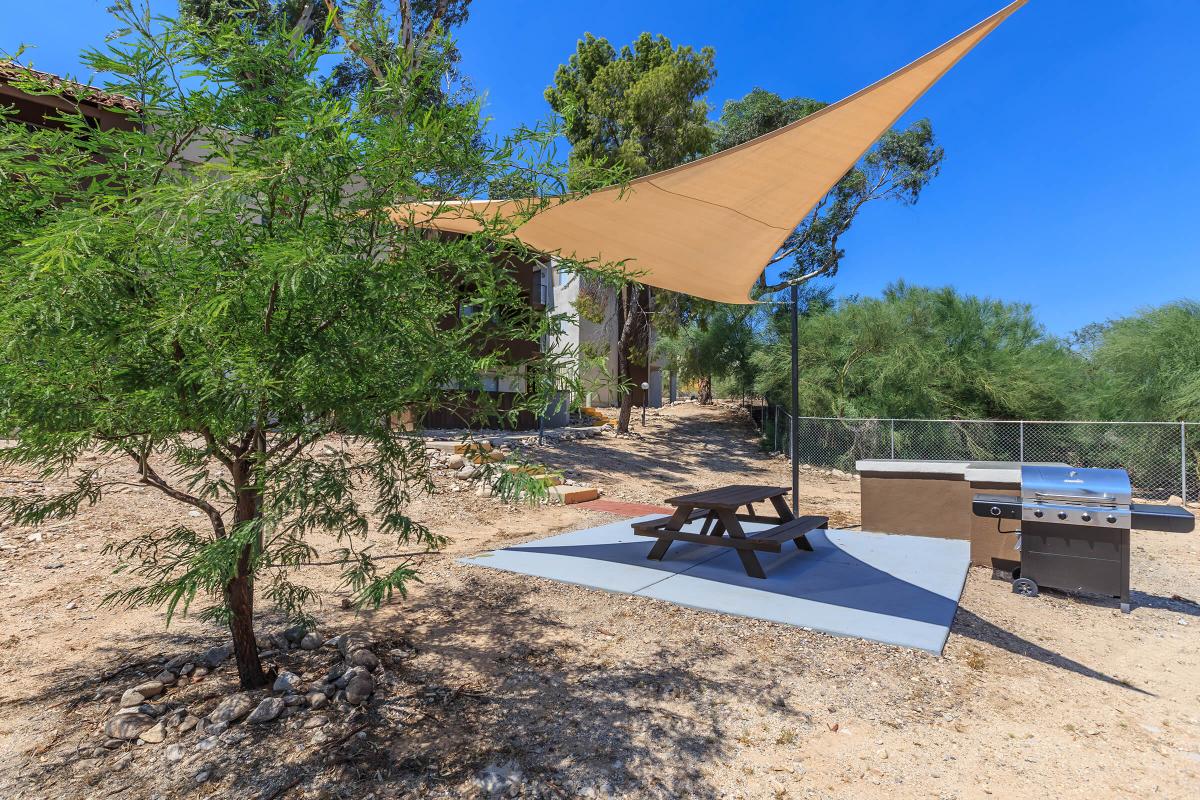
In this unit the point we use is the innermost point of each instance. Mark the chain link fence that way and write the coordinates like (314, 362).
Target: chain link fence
(1162, 458)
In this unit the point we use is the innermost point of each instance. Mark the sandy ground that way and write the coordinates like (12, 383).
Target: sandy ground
(538, 689)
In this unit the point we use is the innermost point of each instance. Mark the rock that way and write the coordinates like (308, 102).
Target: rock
(208, 743)
(466, 473)
(128, 726)
(149, 689)
(456, 462)
(1174, 500)
(359, 688)
(182, 680)
(351, 642)
(294, 634)
(286, 682)
(293, 700)
(71, 605)
(215, 655)
(199, 672)
(364, 658)
(188, 723)
(267, 710)
(350, 675)
(231, 709)
(166, 678)
(123, 762)
(315, 721)
(152, 709)
(175, 752)
(336, 640)
(310, 641)
(317, 700)
(234, 736)
(113, 744)
(154, 735)
(202, 776)
(177, 665)
(131, 699)
(54, 565)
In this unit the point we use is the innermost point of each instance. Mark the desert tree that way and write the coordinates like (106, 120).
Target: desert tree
(205, 293)
(637, 110)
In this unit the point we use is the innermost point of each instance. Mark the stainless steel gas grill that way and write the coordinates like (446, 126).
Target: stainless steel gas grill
(1075, 525)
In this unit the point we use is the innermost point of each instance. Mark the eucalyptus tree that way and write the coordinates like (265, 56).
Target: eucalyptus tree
(205, 295)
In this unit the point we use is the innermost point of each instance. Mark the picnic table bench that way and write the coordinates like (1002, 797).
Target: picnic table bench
(719, 508)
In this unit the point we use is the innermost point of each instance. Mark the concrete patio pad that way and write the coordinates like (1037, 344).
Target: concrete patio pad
(900, 590)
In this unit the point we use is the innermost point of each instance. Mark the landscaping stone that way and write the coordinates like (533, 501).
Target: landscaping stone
(214, 656)
(131, 699)
(294, 634)
(316, 721)
(456, 461)
(231, 709)
(267, 710)
(359, 688)
(175, 752)
(364, 658)
(128, 726)
(149, 689)
(286, 682)
(154, 735)
(310, 641)
(317, 700)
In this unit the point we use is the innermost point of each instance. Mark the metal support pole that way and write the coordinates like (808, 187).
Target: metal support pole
(1183, 461)
(1021, 426)
(892, 427)
(795, 397)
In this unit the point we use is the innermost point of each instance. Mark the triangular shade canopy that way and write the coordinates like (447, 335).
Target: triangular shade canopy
(708, 228)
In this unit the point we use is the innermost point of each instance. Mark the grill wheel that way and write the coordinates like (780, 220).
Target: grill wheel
(1025, 587)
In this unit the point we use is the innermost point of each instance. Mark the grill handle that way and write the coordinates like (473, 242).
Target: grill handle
(1100, 500)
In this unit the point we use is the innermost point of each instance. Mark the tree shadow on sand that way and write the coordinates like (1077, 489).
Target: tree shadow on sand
(480, 694)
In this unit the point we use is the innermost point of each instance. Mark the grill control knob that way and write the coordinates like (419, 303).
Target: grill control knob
(1111, 519)
(994, 511)
(1038, 513)
(1062, 515)
(1086, 517)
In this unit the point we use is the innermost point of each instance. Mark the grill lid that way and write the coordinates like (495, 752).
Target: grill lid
(1084, 486)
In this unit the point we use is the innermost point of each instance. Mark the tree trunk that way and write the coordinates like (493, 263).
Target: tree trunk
(706, 390)
(633, 327)
(239, 592)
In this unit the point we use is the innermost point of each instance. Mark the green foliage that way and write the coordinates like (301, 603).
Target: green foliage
(897, 168)
(206, 295)
(639, 109)
(1147, 367)
(923, 353)
(718, 342)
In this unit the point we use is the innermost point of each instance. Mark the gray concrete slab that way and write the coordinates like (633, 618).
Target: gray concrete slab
(901, 590)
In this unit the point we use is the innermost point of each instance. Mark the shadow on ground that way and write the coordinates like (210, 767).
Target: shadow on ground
(489, 697)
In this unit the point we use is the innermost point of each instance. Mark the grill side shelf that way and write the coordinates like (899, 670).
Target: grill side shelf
(1171, 519)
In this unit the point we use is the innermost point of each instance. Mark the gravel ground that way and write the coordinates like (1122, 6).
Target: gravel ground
(493, 684)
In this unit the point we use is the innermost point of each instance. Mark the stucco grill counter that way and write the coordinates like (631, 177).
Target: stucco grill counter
(933, 498)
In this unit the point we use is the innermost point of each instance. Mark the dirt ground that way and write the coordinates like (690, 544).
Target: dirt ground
(517, 686)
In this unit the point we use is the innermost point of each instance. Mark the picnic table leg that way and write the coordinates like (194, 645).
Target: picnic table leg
(734, 528)
(676, 523)
(781, 508)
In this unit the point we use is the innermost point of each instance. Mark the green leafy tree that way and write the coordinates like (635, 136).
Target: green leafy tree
(715, 341)
(924, 353)
(205, 295)
(638, 110)
(1147, 366)
(897, 168)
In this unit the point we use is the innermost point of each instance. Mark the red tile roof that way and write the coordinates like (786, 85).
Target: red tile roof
(78, 91)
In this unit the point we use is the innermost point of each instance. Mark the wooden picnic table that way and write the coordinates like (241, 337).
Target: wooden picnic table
(723, 523)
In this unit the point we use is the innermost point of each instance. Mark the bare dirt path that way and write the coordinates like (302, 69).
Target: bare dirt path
(502, 684)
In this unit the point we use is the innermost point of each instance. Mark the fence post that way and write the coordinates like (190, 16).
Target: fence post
(1183, 461)
(1021, 425)
(892, 436)
(775, 430)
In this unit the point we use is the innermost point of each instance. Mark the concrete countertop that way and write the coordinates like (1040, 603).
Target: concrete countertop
(974, 471)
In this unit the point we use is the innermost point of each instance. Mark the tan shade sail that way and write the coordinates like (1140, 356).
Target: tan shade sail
(709, 227)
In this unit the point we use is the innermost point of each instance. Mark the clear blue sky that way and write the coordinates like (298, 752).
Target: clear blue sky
(1071, 134)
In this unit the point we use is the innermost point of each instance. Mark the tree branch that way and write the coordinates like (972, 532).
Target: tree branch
(351, 43)
(152, 478)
